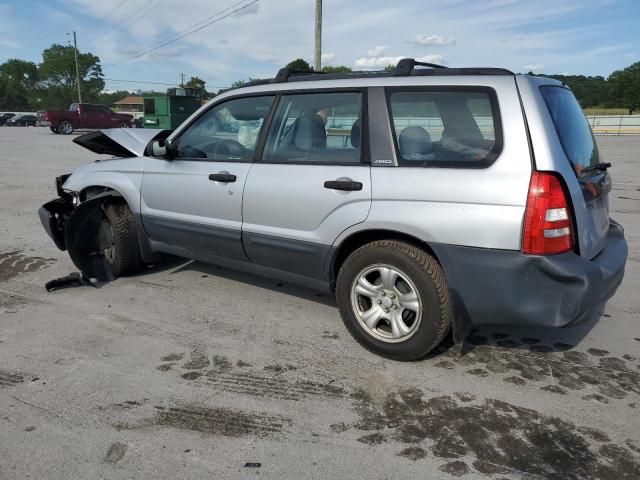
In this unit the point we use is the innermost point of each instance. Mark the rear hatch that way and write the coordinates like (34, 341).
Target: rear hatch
(591, 202)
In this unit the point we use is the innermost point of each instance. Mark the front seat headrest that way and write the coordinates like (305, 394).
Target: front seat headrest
(415, 143)
(310, 133)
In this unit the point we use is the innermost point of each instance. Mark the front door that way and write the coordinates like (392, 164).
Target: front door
(194, 200)
(311, 183)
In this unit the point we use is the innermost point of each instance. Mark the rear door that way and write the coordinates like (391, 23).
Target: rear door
(580, 152)
(311, 183)
(194, 200)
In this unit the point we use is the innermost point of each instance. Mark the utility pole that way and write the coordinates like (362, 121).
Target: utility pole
(318, 56)
(75, 51)
(182, 83)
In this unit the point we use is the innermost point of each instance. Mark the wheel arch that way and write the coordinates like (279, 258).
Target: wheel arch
(357, 239)
(461, 324)
(106, 191)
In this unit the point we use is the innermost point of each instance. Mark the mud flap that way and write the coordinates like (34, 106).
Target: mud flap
(85, 240)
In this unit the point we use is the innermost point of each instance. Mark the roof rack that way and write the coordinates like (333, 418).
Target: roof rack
(286, 72)
(404, 68)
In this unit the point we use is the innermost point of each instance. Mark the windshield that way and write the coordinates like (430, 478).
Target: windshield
(573, 129)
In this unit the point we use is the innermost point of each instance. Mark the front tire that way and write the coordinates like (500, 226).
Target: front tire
(119, 240)
(394, 300)
(65, 127)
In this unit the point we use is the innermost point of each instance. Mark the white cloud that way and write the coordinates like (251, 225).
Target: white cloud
(534, 67)
(433, 40)
(377, 51)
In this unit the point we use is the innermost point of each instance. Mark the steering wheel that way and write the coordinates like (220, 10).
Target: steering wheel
(229, 148)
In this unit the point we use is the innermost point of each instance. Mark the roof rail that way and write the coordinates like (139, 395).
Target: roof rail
(286, 72)
(405, 66)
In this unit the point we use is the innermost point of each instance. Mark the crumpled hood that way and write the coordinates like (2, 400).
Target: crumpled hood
(121, 142)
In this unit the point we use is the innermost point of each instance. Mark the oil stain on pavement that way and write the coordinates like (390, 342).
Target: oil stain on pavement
(14, 263)
(495, 436)
(556, 369)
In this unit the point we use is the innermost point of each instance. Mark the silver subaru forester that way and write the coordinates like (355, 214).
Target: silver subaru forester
(428, 199)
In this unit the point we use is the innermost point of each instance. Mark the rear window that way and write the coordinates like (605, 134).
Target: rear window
(574, 132)
(446, 127)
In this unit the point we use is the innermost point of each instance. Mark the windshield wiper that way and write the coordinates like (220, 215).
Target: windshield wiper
(598, 166)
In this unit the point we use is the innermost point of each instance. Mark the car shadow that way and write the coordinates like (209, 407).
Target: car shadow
(253, 279)
(500, 337)
(535, 339)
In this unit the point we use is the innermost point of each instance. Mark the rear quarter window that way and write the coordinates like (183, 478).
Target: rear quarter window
(572, 127)
(446, 127)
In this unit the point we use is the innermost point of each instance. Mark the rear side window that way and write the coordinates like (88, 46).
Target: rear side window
(322, 128)
(446, 127)
(573, 129)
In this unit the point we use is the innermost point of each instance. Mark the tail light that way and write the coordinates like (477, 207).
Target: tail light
(547, 218)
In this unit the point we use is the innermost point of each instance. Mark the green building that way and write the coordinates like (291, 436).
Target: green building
(167, 111)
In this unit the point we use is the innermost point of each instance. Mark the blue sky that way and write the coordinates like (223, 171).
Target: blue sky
(592, 37)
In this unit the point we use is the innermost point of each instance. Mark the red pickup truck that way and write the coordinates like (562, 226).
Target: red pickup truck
(86, 115)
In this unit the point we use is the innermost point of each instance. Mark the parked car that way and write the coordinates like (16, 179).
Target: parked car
(21, 121)
(464, 196)
(5, 116)
(85, 115)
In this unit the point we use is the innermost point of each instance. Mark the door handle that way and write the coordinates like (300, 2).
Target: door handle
(222, 177)
(343, 185)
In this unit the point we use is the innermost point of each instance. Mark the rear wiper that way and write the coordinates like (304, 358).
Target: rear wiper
(598, 166)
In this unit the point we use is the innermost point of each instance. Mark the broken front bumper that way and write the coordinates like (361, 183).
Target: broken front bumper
(53, 216)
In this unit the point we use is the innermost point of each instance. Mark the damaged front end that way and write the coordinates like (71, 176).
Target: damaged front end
(82, 229)
(55, 214)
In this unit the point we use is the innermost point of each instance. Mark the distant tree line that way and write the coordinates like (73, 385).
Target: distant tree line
(620, 90)
(51, 84)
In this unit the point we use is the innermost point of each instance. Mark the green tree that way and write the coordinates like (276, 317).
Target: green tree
(18, 79)
(198, 85)
(299, 65)
(625, 87)
(58, 77)
(338, 69)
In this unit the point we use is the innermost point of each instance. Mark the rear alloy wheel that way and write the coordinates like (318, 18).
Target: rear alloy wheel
(65, 127)
(394, 299)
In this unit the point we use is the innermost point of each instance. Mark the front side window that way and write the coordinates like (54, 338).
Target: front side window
(316, 128)
(446, 128)
(228, 131)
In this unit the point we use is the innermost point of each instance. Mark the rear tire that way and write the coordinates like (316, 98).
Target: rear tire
(120, 225)
(65, 127)
(394, 300)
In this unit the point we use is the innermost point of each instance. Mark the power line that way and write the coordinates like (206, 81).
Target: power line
(153, 83)
(111, 11)
(131, 19)
(188, 33)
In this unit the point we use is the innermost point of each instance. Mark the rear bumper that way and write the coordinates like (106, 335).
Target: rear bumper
(507, 287)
